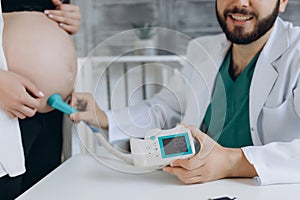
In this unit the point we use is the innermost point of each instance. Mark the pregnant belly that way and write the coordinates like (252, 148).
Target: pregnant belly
(38, 49)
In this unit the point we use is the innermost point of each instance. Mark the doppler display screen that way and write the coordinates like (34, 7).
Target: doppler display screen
(175, 145)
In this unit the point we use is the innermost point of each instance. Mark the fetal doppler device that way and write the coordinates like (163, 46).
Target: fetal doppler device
(158, 149)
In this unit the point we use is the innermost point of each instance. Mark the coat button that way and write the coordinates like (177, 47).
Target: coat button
(252, 129)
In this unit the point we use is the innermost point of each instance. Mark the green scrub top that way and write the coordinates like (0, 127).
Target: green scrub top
(236, 129)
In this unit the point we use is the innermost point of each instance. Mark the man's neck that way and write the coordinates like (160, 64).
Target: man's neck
(243, 54)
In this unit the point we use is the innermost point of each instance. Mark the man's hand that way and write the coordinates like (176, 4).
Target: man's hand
(88, 109)
(18, 96)
(212, 162)
(66, 15)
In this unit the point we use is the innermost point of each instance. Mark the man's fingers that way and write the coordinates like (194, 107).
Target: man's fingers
(189, 163)
(207, 144)
(196, 133)
(188, 177)
(74, 117)
(182, 172)
(81, 116)
(79, 101)
(191, 180)
(74, 100)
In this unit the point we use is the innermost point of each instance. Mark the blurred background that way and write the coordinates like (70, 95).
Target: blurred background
(104, 18)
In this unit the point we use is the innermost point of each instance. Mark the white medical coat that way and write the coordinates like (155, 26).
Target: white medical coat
(274, 102)
(12, 160)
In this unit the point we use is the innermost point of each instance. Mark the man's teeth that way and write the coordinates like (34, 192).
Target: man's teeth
(240, 18)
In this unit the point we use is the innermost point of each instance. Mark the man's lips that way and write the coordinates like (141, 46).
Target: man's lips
(240, 18)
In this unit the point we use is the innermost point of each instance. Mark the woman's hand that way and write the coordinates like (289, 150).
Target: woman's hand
(212, 162)
(66, 15)
(88, 109)
(18, 96)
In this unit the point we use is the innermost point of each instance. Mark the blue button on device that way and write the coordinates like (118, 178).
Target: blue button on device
(152, 137)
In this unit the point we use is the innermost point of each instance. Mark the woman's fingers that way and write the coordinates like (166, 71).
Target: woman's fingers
(56, 3)
(62, 13)
(66, 15)
(68, 28)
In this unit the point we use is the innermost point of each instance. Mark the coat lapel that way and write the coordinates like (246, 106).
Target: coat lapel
(263, 80)
(206, 60)
(265, 75)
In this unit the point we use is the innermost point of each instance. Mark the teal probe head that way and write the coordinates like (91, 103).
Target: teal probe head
(56, 102)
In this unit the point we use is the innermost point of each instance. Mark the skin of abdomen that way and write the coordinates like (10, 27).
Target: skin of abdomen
(38, 49)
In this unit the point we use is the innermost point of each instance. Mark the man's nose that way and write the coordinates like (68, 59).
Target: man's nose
(242, 3)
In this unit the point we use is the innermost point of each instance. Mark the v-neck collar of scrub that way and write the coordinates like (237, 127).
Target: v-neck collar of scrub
(228, 67)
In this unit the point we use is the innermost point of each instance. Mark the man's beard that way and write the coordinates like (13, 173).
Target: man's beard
(237, 36)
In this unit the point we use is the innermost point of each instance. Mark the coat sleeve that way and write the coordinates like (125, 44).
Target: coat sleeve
(278, 162)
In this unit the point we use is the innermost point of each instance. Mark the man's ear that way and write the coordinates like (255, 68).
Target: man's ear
(282, 6)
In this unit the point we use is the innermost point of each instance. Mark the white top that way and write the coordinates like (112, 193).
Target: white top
(12, 160)
(82, 177)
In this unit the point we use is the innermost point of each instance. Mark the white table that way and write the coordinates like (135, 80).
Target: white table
(82, 177)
